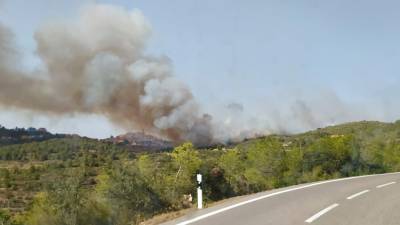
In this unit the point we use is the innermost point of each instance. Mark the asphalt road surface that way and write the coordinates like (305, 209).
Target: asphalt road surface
(366, 200)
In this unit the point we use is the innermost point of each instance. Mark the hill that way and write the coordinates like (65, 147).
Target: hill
(22, 135)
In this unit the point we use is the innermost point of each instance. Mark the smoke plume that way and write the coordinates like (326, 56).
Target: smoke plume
(97, 65)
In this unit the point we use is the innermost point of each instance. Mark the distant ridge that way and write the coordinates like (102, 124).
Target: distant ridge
(25, 135)
(135, 141)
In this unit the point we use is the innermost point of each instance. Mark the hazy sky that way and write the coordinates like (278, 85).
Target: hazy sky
(288, 63)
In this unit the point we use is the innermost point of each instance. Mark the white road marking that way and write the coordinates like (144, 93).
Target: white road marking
(274, 194)
(320, 213)
(384, 185)
(357, 194)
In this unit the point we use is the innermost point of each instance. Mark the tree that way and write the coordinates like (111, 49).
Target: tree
(187, 161)
(264, 167)
(293, 164)
(391, 157)
(187, 158)
(130, 197)
(233, 167)
(330, 154)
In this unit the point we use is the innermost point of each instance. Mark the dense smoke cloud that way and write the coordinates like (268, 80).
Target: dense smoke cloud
(97, 65)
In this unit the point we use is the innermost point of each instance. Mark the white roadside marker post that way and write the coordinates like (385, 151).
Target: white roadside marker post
(199, 192)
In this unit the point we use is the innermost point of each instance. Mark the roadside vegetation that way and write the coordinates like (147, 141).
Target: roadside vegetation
(77, 181)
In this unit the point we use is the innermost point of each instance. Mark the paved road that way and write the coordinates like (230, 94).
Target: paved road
(368, 200)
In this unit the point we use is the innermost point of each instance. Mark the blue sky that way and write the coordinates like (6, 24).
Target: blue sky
(265, 55)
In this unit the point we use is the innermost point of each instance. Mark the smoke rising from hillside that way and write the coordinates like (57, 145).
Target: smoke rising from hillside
(97, 64)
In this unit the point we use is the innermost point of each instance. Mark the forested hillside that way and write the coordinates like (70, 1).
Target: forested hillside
(22, 135)
(73, 181)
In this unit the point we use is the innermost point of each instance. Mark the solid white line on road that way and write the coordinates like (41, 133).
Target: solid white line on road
(274, 194)
(384, 185)
(357, 194)
(322, 212)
